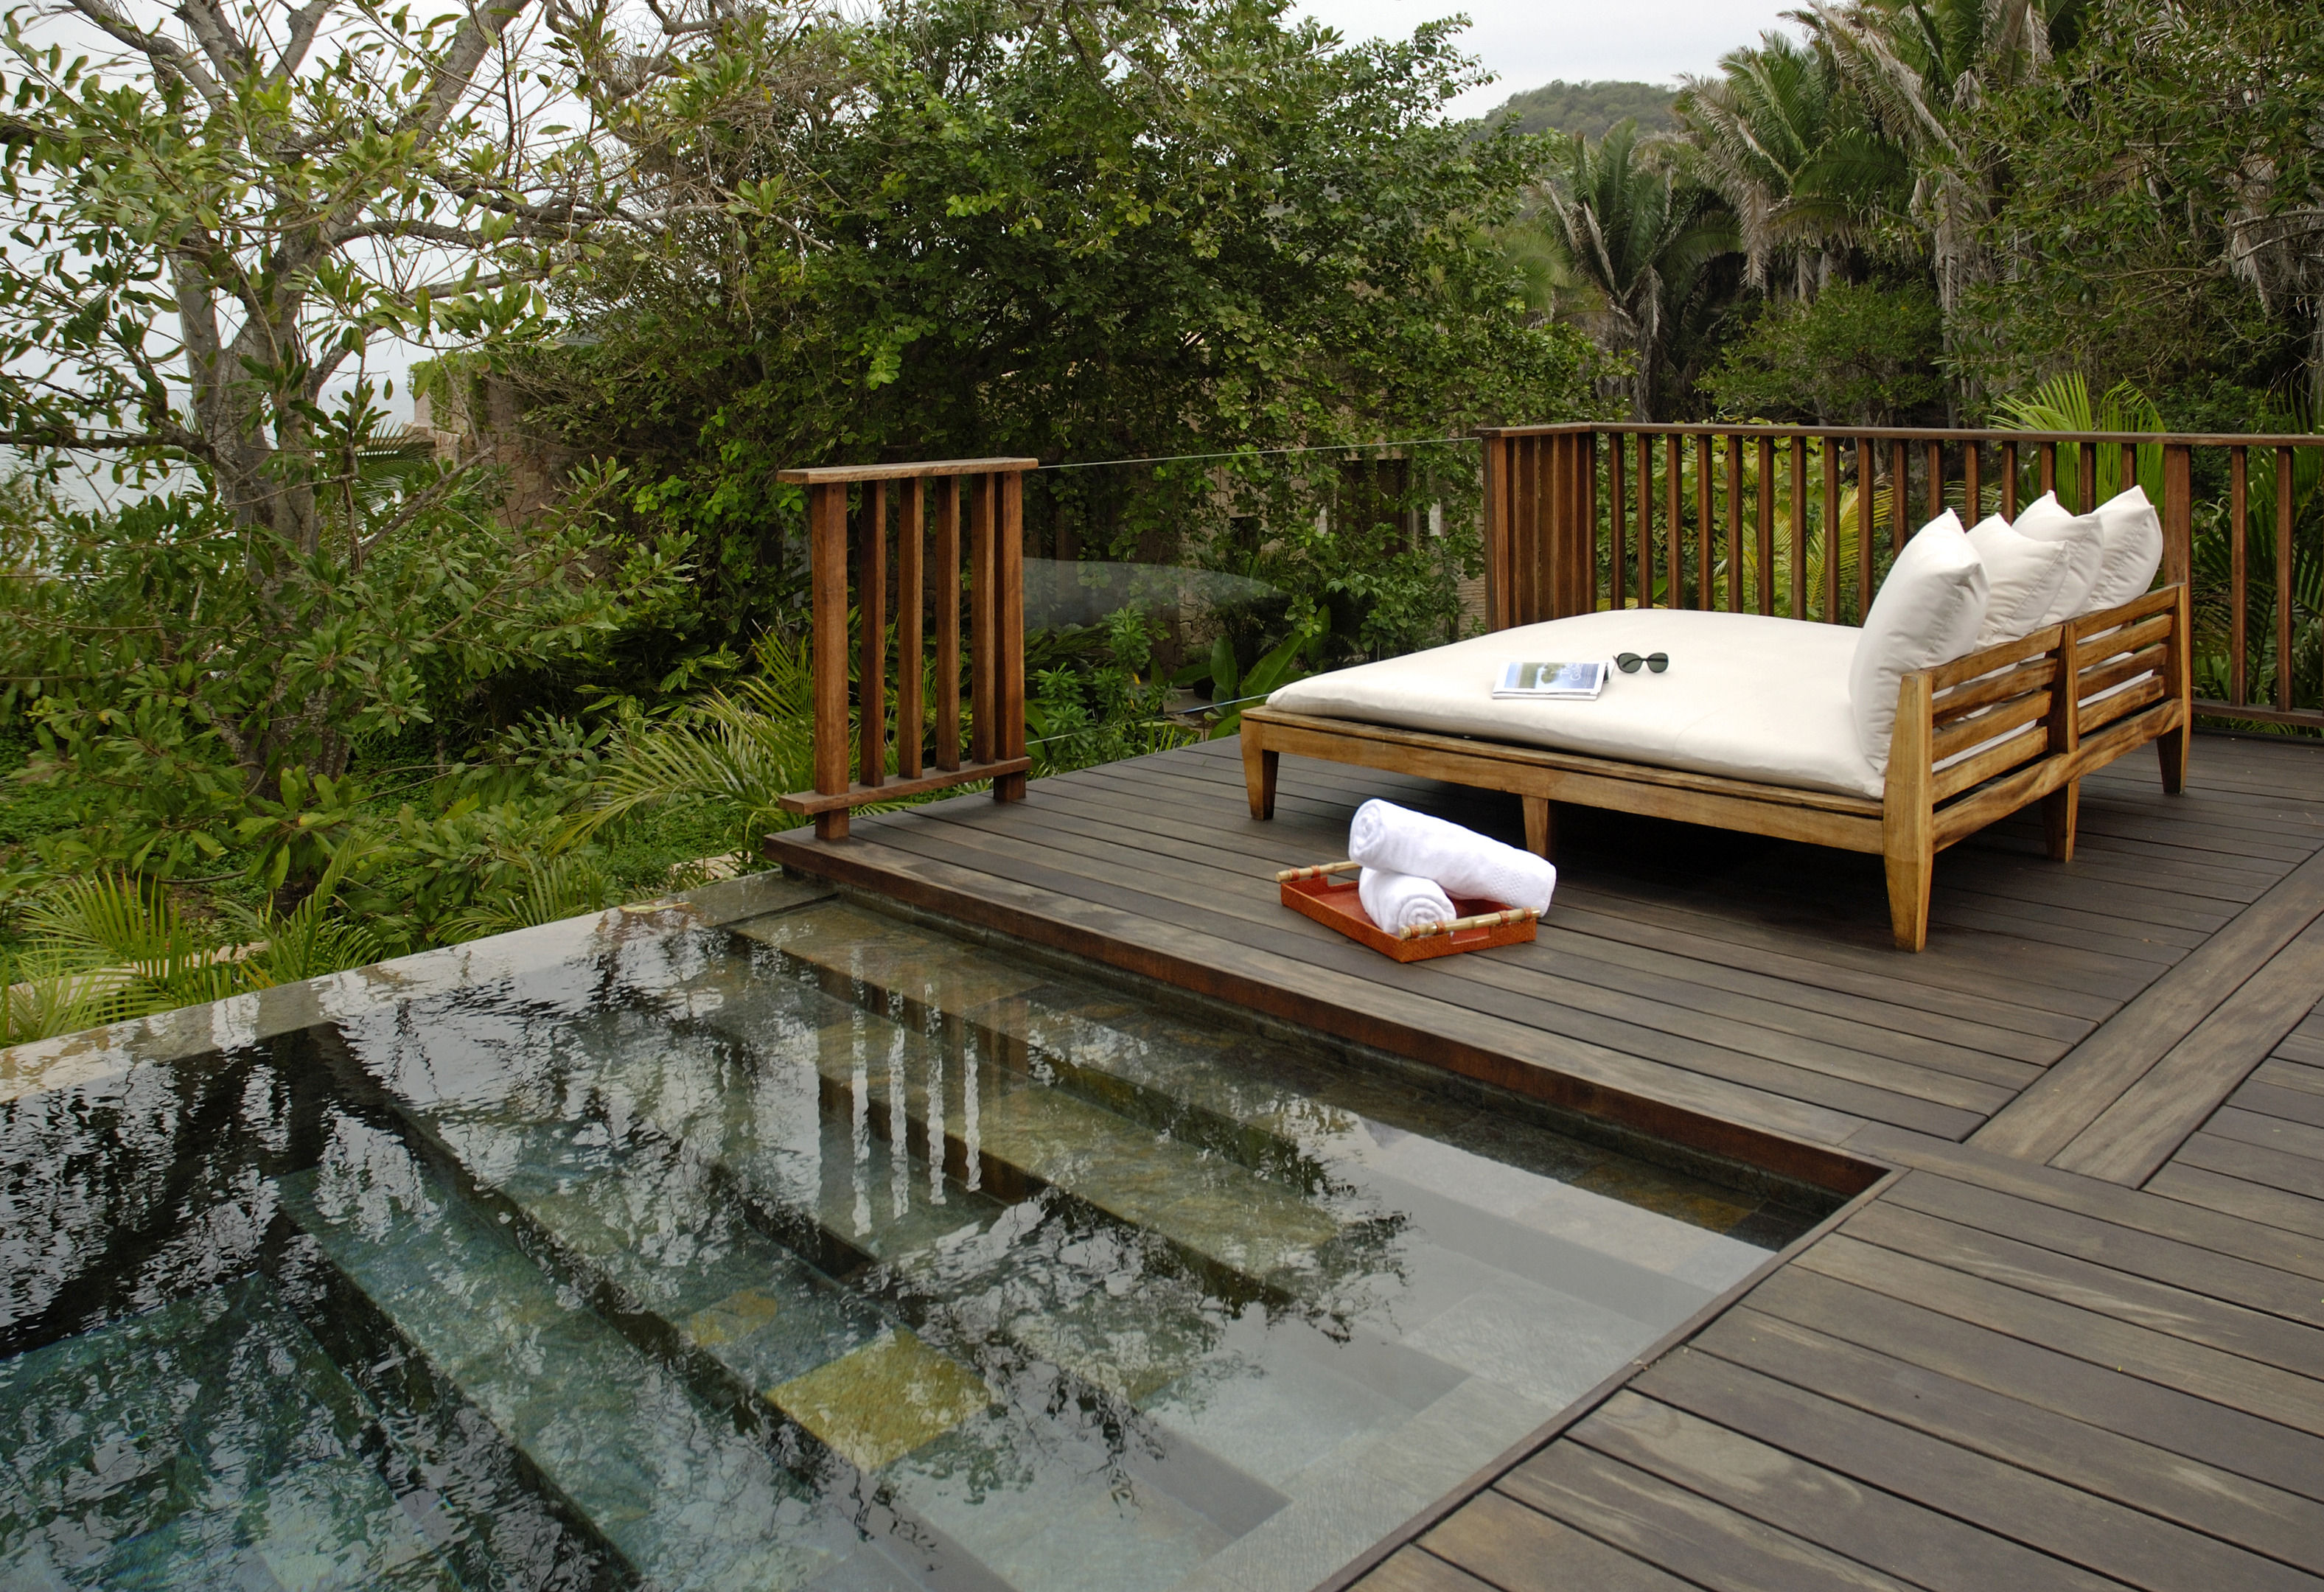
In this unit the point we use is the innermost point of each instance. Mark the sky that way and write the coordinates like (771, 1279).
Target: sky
(1526, 43)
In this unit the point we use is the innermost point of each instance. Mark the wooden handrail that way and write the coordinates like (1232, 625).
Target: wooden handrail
(1553, 491)
(1907, 434)
(996, 584)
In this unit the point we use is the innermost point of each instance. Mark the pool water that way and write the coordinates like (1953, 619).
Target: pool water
(818, 1249)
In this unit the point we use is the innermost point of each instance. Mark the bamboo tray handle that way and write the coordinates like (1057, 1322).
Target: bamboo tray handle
(1489, 920)
(1289, 874)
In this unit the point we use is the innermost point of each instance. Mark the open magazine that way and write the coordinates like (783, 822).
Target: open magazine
(1553, 682)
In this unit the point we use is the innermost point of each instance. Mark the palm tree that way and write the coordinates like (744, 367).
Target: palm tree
(1785, 143)
(1923, 70)
(1639, 232)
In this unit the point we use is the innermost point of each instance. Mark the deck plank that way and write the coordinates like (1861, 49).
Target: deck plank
(2169, 1419)
(2216, 1375)
(1828, 1507)
(1522, 1550)
(2280, 1524)
(1999, 1370)
(1690, 1535)
(2137, 1134)
(2010, 1504)
(2235, 1196)
(2078, 1089)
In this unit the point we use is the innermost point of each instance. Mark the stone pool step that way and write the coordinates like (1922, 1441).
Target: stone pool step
(711, 1150)
(1005, 1129)
(908, 1417)
(671, 1485)
(930, 983)
(210, 1442)
(675, 1241)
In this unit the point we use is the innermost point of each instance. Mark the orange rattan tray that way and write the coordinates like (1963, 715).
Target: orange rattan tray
(1328, 894)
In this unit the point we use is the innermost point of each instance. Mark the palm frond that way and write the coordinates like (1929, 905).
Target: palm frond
(558, 887)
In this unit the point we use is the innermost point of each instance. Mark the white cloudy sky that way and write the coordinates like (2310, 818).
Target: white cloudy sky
(1527, 43)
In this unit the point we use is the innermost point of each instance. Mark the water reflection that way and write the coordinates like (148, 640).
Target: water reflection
(829, 1251)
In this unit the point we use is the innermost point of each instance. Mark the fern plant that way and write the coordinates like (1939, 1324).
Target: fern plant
(554, 888)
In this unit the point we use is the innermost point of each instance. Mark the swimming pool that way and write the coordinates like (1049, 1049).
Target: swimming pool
(815, 1249)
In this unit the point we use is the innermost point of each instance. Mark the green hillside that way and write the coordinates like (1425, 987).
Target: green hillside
(1589, 107)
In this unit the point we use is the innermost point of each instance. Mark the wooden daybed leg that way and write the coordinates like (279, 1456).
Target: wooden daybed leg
(2061, 813)
(2171, 747)
(1908, 826)
(1541, 827)
(1259, 766)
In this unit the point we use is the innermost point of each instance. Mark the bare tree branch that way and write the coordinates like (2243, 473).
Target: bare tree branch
(228, 55)
(167, 59)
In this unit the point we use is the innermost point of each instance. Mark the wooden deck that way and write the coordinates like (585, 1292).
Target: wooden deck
(2069, 1333)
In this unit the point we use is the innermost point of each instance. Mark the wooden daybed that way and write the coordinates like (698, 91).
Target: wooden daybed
(2131, 685)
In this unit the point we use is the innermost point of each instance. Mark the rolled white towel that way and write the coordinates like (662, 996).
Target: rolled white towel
(1465, 864)
(1396, 901)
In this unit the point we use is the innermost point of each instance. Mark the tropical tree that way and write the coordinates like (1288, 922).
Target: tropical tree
(2165, 219)
(1925, 70)
(1114, 231)
(1783, 141)
(1638, 231)
(215, 226)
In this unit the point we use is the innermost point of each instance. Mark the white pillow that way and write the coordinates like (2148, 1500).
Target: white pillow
(2021, 577)
(2046, 519)
(2133, 534)
(1928, 612)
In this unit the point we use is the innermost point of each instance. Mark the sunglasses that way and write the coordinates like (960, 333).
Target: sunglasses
(1629, 662)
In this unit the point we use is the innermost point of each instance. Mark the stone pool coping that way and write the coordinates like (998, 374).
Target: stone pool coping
(93, 1054)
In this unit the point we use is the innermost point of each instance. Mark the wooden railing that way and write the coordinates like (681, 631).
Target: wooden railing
(924, 496)
(1767, 519)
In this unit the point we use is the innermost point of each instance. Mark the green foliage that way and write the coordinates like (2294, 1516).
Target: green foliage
(189, 709)
(1867, 355)
(1131, 232)
(108, 947)
(733, 753)
(216, 220)
(547, 889)
(2062, 403)
(1586, 109)
(1643, 235)
(1796, 155)
(2162, 227)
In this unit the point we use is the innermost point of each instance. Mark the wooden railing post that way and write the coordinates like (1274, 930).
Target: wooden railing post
(996, 589)
(871, 669)
(1867, 478)
(2284, 579)
(1009, 662)
(910, 710)
(827, 566)
(1734, 523)
(982, 707)
(1798, 595)
(948, 624)
(2177, 513)
(2239, 576)
(1831, 530)
(1764, 587)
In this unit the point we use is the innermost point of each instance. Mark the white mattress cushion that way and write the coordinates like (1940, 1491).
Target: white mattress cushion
(1928, 612)
(2021, 578)
(2046, 519)
(2132, 533)
(1745, 697)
